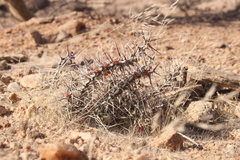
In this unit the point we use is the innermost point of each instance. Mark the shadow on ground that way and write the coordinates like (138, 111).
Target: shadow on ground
(217, 19)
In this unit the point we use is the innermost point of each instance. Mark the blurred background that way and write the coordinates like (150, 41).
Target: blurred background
(184, 11)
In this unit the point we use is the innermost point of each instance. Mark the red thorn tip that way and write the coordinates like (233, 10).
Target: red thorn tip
(132, 84)
(105, 65)
(139, 129)
(105, 73)
(115, 61)
(146, 72)
(96, 70)
(71, 53)
(141, 85)
(137, 75)
(66, 94)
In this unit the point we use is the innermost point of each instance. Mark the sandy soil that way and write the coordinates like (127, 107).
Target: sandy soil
(209, 36)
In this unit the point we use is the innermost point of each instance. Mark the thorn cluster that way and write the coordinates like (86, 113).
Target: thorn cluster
(113, 91)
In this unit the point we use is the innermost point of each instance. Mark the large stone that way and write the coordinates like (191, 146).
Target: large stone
(198, 111)
(33, 38)
(13, 87)
(17, 72)
(72, 27)
(169, 139)
(37, 37)
(31, 81)
(61, 36)
(60, 151)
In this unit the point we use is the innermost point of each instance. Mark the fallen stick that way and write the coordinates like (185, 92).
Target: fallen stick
(191, 140)
(211, 75)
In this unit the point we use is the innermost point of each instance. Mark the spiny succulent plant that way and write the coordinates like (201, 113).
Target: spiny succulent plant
(118, 92)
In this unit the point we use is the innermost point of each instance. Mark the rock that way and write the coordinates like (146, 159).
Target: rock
(4, 123)
(36, 134)
(2, 145)
(61, 36)
(20, 72)
(14, 98)
(39, 20)
(34, 38)
(44, 20)
(169, 139)
(60, 151)
(3, 110)
(49, 38)
(13, 87)
(198, 111)
(4, 65)
(16, 58)
(31, 81)
(5, 79)
(78, 139)
(86, 136)
(72, 27)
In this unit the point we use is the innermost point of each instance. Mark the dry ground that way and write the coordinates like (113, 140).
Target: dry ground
(209, 36)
